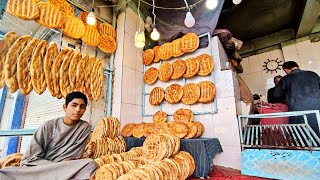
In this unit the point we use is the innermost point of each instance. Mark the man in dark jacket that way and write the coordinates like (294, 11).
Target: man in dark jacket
(271, 98)
(302, 89)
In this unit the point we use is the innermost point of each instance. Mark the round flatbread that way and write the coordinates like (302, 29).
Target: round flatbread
(207, 92)
(156, 96)
(179, 68)
(176, 48)
(173, 93)
(165, 51)
(156, 54)
(107, 44)
(192, 67)
(147, 57)
(51, 54)
(165, 72)
(191, 93)
(189, 42)
(159, 117)
(151, 75)
(127, 130)
(183, 115)
(179, 129)
(73, 27)
(206, 64)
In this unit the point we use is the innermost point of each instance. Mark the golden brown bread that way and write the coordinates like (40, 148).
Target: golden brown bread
(11, 62)
(50, 16)
(173, 93)
(165, 51)
(63, 5)
(189, 42)
(179, 68)
(23, 67)
(73, 71)
(191, 93)
(156, 96)
(176, 48)
(23, 9)
(80, 79)
(165, 72)
(38, 78)
(64, 82)
(192, 67)
(159, 117)
(107, 44)
(73, 27)
(83, 16)
(87, 78)
(156, 54)
(51, 54)
(147, 57)
(151, 75)
(96, 80)
(206, 64)
(107, 29)
(7, 41)
(91, 36)
(207, 92)
(183, 115)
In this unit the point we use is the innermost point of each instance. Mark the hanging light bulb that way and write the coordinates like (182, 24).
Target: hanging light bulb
(212, 4)
(91, 18)
(139, 39)
(236, 1)
(155, 34)
(189, 21)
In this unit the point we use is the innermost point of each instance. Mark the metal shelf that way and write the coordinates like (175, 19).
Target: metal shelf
(208, 111)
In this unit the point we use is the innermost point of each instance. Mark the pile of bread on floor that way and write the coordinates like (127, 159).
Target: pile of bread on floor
(183, 126)
(58, 14)
(105, 139)
(28, 64)
(11, 160)
(160, 159)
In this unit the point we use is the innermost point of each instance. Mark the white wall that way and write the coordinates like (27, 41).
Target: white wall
(305, 53)
(128, 84)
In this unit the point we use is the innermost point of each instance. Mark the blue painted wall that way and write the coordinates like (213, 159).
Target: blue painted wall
(15, 122)
(281, 164)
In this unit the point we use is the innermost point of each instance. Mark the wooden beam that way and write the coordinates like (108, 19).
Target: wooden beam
(309, 18)
(266, 41)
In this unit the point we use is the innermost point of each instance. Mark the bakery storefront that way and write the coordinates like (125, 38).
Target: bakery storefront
(159, 108)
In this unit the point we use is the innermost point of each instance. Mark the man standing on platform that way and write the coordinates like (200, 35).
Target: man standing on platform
(302, 89)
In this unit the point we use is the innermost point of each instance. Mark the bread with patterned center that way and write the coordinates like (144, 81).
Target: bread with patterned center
(23, 9)
(147, 57)
(192, 67)
(173, 93)
(73, 71)
(91, 36)
(96, 80)
(206, 64)
(179, 68)
(165, 51)
(80, 79)
(10, 64)
(87, 78)
(176, 48)
(7, 41)
(23, 67)
(165, 72)
(156, 54)
(51, 54)
(127, 130)
(64, 82)
(189, 42)
(160, 117)
(191, 93)
(108, 29)
(151, 75)
(63, 5)
(73, 27)
(50, 16)
(180, 129)
(156, 96)
(107, 44)
(193, 130)
(55, 72)
(207, 92)
(38, 78)
(201, 129)
(183, 115)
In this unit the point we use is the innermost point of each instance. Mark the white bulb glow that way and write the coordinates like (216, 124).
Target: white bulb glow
(91, 19)
(139, 39)
(212, 4)
(236, 1)
(155, 34)
(189, 21)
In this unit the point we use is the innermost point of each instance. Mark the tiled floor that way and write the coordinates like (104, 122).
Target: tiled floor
(222, 173)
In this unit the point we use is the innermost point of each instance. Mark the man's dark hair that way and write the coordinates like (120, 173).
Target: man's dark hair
(274, 79)
(290, 65)
(76, 95)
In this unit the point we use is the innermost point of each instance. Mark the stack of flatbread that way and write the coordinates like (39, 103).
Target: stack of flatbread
(188, 43)
(28, 64)
(125, 156)
(11, 160)
(105, 139)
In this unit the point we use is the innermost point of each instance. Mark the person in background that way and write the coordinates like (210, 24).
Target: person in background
(302, 89)
(271, 98)
(56, 148)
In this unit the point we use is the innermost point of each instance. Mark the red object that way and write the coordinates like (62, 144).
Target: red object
(273, 108)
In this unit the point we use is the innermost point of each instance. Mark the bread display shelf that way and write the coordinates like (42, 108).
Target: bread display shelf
(205, 110)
